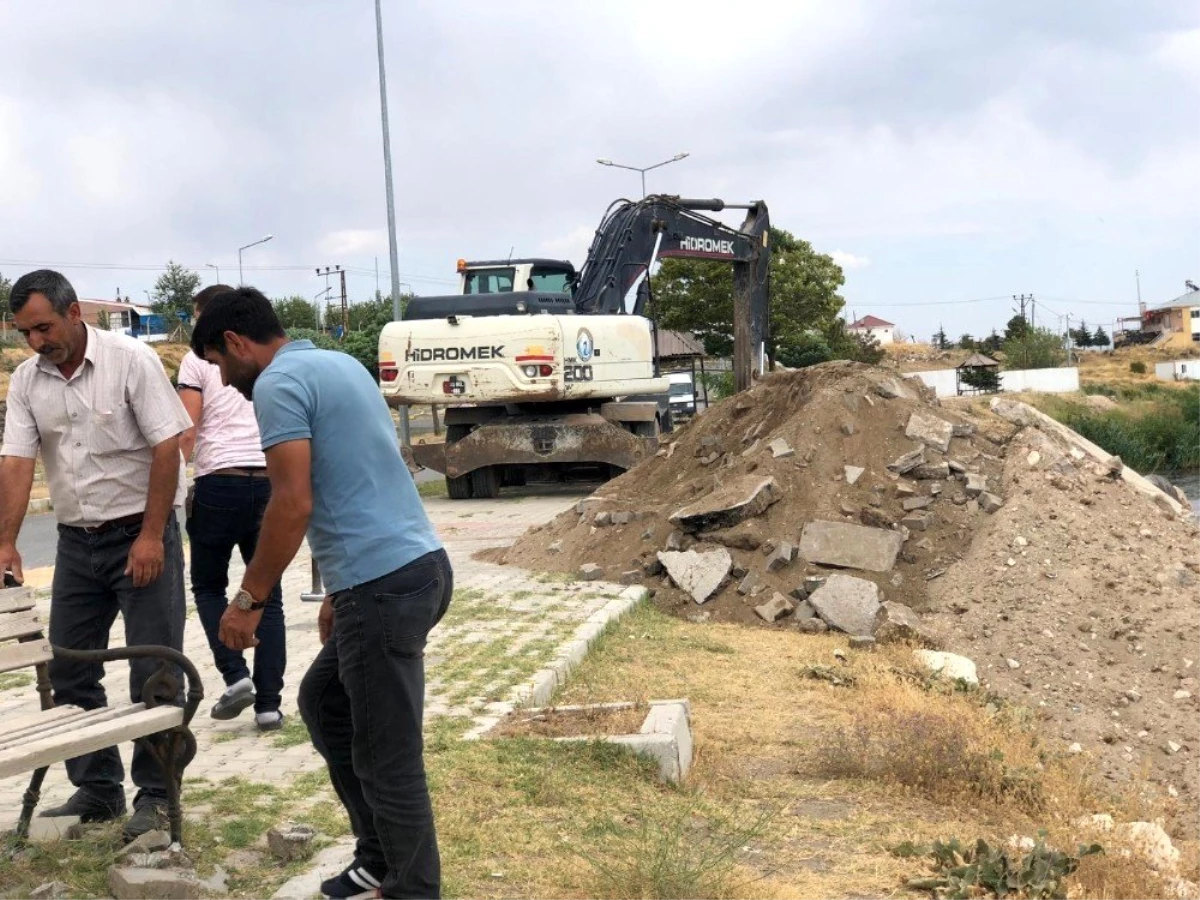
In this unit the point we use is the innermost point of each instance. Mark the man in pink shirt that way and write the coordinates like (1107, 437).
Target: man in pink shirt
(231, 494)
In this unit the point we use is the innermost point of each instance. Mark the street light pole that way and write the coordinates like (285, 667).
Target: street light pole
(642, 171)
(262, 240)
(393, 253)
(218, 268)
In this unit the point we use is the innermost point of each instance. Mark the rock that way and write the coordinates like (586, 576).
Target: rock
(699, 574)
(875, 518)
(850, 546)
(591, 572)
(710, 441)
(949, 665)
(813, 626)
(1172, 748)
(930, 430)
(622, 518)
(1182, 695)
(904, 489)
(675, 540)
(812, 583)
(782, 556)
(738, 571)
(1153, 844)
(743, 536)
(153, 884)
(935, 489)
(1169, 489)
(740, 498)
(930, 471)
(1033, 458)
(911, 503)
(848, 428)
(803, 611)
(849, 509)
(915, 521)
(861, 642)
(908, 461)
(291, 841)
(752, 449)
(1012, 664)
(848, 604)
(956, 467)
(1075, 748)
(652, 567)
(891, 388)
(972, 506)
(963, 429)
(603, 519)
(989, 503)
(583, 507)
(51, 829)
(555, 547)
(633, 576)
(897, 622)
(779, 449)
(51, 890)
(853, 473)
(775, 608)
(976, 484)
(1114, 466)
(748, 584)
(146, 843)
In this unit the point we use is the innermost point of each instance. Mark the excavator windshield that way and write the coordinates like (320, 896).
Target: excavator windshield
(489, 281)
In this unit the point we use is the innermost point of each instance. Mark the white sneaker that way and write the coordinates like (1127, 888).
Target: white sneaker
(236, 698)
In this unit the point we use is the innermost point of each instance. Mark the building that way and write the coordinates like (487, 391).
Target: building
(1174, 324)
(125, 318)
(1178, 370)
(872, 326)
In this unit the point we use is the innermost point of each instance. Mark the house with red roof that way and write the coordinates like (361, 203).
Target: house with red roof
(873, 326)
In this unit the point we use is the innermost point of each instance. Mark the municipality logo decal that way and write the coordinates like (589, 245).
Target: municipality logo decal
(583, 345)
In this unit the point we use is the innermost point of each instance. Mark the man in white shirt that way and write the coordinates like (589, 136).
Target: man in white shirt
(226, 510)
(101, 411)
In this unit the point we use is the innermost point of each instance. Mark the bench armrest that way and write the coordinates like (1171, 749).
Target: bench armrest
(162, 687)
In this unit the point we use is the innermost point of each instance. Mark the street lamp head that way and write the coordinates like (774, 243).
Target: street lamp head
(605, 162)
(269, 236)
(679, 156)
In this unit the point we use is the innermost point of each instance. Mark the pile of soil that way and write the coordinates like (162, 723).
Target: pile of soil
(834, 415)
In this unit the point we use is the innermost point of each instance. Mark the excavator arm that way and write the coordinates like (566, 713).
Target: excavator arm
(634, 235)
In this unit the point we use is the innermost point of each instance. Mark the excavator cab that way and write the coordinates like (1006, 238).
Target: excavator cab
(503, 288)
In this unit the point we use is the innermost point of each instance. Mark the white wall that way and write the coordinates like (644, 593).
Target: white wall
(1050, 381)
(883, 335)
(1178, 370)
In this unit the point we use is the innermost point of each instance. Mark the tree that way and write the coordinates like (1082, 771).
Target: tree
(102, 320)
(1038, 348)
(1081, 336)
(5, 290)
(1016, 328)
(808, 350)
(1100, 338)
(295, 312)
(982, 378)
(966, 342)
(173, 293)
(992, 343)
(939, 339)
(697, 296)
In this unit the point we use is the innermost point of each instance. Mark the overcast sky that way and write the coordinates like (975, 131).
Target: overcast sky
(942, 151)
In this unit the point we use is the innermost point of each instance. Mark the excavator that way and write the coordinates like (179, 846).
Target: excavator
(541, 368)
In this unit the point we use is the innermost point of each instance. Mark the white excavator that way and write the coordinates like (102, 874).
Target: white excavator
(541, 368)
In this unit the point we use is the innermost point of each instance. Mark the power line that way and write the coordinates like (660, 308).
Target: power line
(142, 267)
(940, 302)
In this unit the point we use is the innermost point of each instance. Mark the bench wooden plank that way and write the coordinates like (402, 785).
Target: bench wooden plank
(19, 656)
(15, 600)
(20, 625)
(45, 751)
(59, 727)
(35, 718)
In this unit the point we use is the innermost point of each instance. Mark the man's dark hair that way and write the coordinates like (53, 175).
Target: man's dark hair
(200, 301)
(50, 284)
(244, 311)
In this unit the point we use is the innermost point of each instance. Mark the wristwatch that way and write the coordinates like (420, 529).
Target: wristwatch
(246, 603)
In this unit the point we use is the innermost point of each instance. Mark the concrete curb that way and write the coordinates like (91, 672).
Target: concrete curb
(541, 687)
(328, 862)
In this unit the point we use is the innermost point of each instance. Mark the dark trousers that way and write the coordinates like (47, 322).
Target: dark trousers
(90, 588)
(363, 701)
(227, 512)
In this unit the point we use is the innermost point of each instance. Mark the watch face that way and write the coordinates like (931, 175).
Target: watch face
(243, 600)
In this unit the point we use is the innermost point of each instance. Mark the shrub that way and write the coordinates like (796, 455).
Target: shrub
(1137, 368)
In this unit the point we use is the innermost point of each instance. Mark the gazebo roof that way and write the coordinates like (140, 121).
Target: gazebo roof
(978, 361)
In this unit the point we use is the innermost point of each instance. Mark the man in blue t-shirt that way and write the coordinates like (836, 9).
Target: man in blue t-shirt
(336, 472)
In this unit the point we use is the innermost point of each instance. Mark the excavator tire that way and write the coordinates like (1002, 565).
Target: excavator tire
(459, 488)
(485, 482)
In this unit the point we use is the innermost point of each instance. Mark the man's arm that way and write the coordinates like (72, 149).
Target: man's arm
(146, 555)
(193, 402)
(289, 467)
(16, 479)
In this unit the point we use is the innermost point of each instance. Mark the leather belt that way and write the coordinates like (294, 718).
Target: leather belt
(123, 522)
(244, 473)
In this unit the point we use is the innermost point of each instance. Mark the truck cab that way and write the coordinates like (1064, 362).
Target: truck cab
(547, 276)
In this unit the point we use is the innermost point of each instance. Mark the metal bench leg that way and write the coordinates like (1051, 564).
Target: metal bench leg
(173, 750)
(33, 794)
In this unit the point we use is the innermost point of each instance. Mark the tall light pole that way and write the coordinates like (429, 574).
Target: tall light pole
(218, 268)
(393, 253)
(261, 240)
(642, 171)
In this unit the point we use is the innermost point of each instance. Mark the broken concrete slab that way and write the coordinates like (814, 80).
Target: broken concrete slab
(153, 884)
(891, 388)
(51, 829)
(930, 471)
(603, 519)
(908, 461)
(748, 584)
(853, 473)
(915, 522)
(775, 608)
(780, 449)
(850, 546)
(897, 622)
(633, 576)
(675, 540)
(591, 572)
(803, 610)
(146, 843)
(976, 484)
(743, 536)
(956, 467)
(652, 567)
(699, 574)
(847, 603)
(291, 841)
(740, 498)
(814, 625)
(930, 430)
(781, 557)
(848, 429)
(875, 518)
(912, 503)
(963, 429)
(622, 518)
(989, 503)
(948, 665)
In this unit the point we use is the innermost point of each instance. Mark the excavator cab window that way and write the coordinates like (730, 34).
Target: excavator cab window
(489, 281)
(550, 281)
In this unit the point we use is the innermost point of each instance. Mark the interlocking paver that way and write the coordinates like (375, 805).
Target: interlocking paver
(502, 629)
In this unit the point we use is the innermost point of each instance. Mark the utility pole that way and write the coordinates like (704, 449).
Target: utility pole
(338, 270)
(1138, 277)
(1025, 336)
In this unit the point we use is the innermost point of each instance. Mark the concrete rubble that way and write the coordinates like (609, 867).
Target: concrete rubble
(291, 841)
(741, 498)
(930, 430)
(848, 604)
(699, 574)
(850, 546)
(775, 608)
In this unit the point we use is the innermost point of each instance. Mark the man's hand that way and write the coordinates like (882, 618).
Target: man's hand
(145, 559)
(238, 627)
(11, 559)
(325, 620)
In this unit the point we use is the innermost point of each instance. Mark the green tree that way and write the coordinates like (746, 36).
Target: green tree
(992, 343)
(1016, 328)
(1038, 348)
(295, 312)
(1081, 336)
(966, 342)
(5, 290)
(982, 378)
(808, 350)
(1100, 338)
(173, 293)
(697, 296)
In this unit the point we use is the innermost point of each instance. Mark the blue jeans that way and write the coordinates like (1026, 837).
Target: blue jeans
(363, 701)
(227, 511)
(90, 588)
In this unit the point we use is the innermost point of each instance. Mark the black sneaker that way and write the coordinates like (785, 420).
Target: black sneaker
(150, 816)
(357, 881)
(237, 697)
(272, 720)
(88, 807)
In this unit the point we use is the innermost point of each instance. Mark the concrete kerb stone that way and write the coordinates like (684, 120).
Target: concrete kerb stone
(665, 736)
(541, 687)
(327, 863)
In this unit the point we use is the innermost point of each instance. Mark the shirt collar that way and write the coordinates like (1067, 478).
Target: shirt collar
(89, 353)
(296, 345)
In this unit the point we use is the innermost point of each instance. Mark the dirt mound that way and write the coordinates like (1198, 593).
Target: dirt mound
(819, 421)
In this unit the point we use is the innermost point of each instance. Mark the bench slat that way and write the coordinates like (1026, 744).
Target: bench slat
(15, 600)
(45, 751)
(19, 656)
(56, 727)
(20, 625)
(34, 718)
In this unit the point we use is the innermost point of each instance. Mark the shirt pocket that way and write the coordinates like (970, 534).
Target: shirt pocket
(112, 431)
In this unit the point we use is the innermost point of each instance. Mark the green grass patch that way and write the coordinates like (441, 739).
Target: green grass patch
(10, 681)
(293, 733)
(432, 489)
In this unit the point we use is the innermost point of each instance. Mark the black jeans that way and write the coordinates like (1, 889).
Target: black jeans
(90, 588)
(227, 511)
(363, 701)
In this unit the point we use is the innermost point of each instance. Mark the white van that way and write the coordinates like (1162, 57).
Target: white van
(683, 394)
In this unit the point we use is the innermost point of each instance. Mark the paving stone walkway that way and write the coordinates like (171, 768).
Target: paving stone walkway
(503, 626)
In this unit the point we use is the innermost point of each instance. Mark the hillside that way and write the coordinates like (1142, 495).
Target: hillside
(11, 357)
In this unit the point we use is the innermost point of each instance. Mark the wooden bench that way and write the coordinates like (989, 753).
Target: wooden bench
(31, 741)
